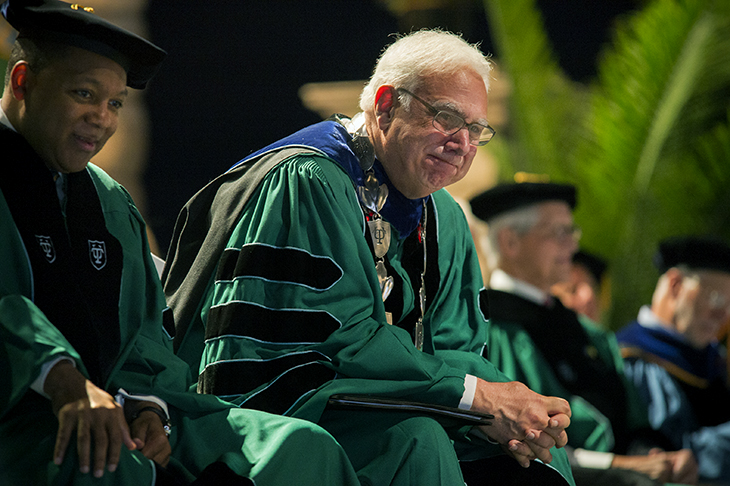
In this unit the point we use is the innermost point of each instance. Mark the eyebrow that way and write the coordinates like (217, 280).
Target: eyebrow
(450, 106)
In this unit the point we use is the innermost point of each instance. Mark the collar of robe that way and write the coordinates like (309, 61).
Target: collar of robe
(332, 139)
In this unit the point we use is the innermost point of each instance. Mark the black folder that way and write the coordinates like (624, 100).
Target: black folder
(445, 415)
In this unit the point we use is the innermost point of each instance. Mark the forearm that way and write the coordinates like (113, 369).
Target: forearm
(39, 383)
(64, 384)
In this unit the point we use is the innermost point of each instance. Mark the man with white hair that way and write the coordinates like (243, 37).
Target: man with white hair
(333, 262)
(672, 354)
(533, 338)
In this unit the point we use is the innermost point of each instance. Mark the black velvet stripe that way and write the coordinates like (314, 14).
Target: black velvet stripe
(288, 376)
(168, 321)
(289, 265)
(284, 392)
(270, 325)
(236, 377)
(98, 274)
(484, 302)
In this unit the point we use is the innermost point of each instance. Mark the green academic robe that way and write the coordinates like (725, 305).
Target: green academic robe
(268, 448)
(293, 313)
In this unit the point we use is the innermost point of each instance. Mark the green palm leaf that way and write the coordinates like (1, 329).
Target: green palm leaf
(544, 103)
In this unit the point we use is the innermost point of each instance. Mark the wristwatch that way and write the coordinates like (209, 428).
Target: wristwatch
(165, 421)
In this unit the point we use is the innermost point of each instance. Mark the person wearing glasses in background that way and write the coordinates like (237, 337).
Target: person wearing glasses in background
(533, 338)
(672, 355)
(333, 262)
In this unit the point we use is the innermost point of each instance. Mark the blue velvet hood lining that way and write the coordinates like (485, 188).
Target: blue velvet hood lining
(331, 139)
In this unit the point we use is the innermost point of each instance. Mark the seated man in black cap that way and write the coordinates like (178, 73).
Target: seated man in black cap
(80, 302)
(672, 355)
(535, 339)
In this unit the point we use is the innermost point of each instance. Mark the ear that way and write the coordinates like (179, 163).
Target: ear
(19, 80)
(675, 278)
(385, 101)
(509, 242)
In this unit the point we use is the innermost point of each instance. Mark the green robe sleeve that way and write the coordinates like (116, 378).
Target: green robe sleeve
(457, 325)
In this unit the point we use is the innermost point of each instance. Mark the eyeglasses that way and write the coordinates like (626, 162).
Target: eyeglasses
(450, 123)
(715, 299)
(718, 301)
(564, 232)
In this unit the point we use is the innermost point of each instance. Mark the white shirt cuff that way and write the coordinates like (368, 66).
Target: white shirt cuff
(39, 383)
(122, 396)
(593, 459)
(470, 389)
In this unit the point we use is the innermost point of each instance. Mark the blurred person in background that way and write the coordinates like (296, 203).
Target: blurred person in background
(672, 354)
(583, 291)
(535, 339)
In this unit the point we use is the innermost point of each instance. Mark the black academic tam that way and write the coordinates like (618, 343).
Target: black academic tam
(77, 25)
(507, 197)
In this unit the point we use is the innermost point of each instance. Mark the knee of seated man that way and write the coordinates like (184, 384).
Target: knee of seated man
(298, 433)
(424, 432)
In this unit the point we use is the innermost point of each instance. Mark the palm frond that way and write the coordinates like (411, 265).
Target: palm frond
(543, 100)
(661, 91)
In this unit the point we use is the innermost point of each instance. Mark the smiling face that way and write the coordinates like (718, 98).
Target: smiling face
(71, 108)
(419, 159)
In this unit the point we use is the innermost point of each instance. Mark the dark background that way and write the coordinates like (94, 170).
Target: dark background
(229, 85)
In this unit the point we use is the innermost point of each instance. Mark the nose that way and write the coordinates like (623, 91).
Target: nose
(459, 141)
(100, 115)
(573, 243)
(720, 313)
